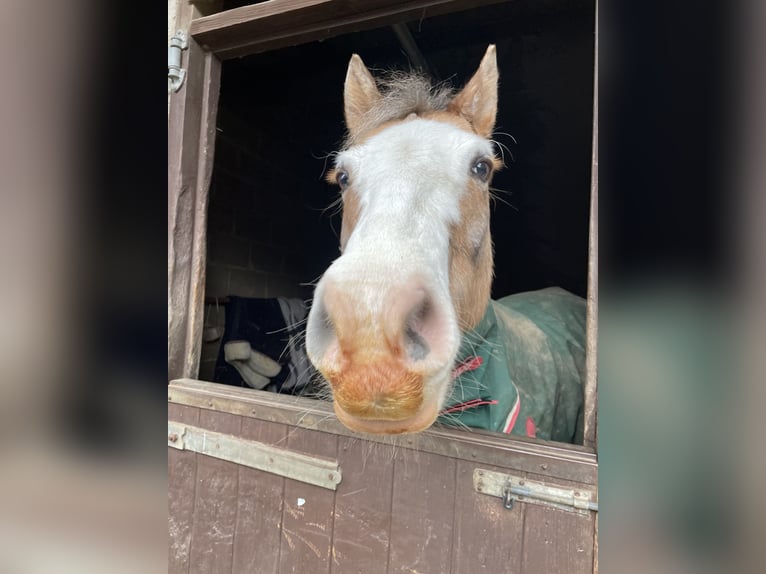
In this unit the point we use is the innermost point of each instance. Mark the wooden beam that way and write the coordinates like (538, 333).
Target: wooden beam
(591, 324)
(208, 6)
(191, 142)
(280, 23)
(546, 458)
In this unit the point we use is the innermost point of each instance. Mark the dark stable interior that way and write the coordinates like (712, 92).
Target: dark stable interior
(281, 114)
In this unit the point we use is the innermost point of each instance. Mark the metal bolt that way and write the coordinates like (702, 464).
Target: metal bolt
(507, 500)
(173, 437)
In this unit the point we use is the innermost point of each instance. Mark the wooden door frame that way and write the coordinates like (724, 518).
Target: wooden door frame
(191, 141)
(590, 401)
(192, 117)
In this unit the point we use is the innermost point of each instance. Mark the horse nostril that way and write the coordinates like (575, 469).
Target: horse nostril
(320, 331)
(415, 343)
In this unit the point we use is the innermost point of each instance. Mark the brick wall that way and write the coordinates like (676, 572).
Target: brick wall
(255, 232)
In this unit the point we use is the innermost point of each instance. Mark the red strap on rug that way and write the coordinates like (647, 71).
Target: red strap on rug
(531, 429)
(469, 364)
(513, 415)
(467, 405)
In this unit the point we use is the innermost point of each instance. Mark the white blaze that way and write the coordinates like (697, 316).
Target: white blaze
(409, 180)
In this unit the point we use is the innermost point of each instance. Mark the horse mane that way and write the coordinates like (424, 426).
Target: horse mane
(402, 94)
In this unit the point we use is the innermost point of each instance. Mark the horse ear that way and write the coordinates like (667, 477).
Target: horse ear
(477, 102)
(360, 94)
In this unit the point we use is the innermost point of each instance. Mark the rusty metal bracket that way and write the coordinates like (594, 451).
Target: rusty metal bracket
(513, 488)
(290, 464)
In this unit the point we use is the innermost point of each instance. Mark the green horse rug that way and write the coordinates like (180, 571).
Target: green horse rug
(522, 368)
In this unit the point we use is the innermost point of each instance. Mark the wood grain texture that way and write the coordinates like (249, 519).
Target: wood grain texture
(259, 506)
(595, 546)
(362, 507)
(557, 542)
(307, 511)
(182, 474)
(205, 156)
(183, 137)
(488, 537)
(215, 506)
(590, 408)
(422, 513)
(208, 6)
(396, 510)
(191, 143)
(280, 23)
(554, 460)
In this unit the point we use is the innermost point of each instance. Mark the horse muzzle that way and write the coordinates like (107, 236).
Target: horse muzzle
(381, 347)
(419, 421)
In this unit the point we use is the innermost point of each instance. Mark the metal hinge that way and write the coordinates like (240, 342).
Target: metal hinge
(176, 73)
(290, 464)
(513, 488)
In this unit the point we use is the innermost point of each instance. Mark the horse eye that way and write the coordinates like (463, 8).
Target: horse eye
(481, 169)
(342, 179)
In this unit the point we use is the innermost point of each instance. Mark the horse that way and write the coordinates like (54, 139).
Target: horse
(402, 327)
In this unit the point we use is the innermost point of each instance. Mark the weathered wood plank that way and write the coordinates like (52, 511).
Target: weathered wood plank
(488, 538)
(595, 546)
(259, 512)
(557, 542)
(280, 23)
(590, 406)
(191, 144)
(183, 414)
(182, 473)
(554, 460)
(307, 511)
(362, 507)
(205, 156)
(215, 506)
(417, 509)
(422, 513)
(208, 6)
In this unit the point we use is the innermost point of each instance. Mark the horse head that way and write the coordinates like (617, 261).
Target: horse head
(415, 269)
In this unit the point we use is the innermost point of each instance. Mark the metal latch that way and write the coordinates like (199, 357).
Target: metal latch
(513, 488)
(176, 73)
(288, 463)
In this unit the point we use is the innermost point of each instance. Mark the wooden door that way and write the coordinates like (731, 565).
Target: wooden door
(409, 505)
